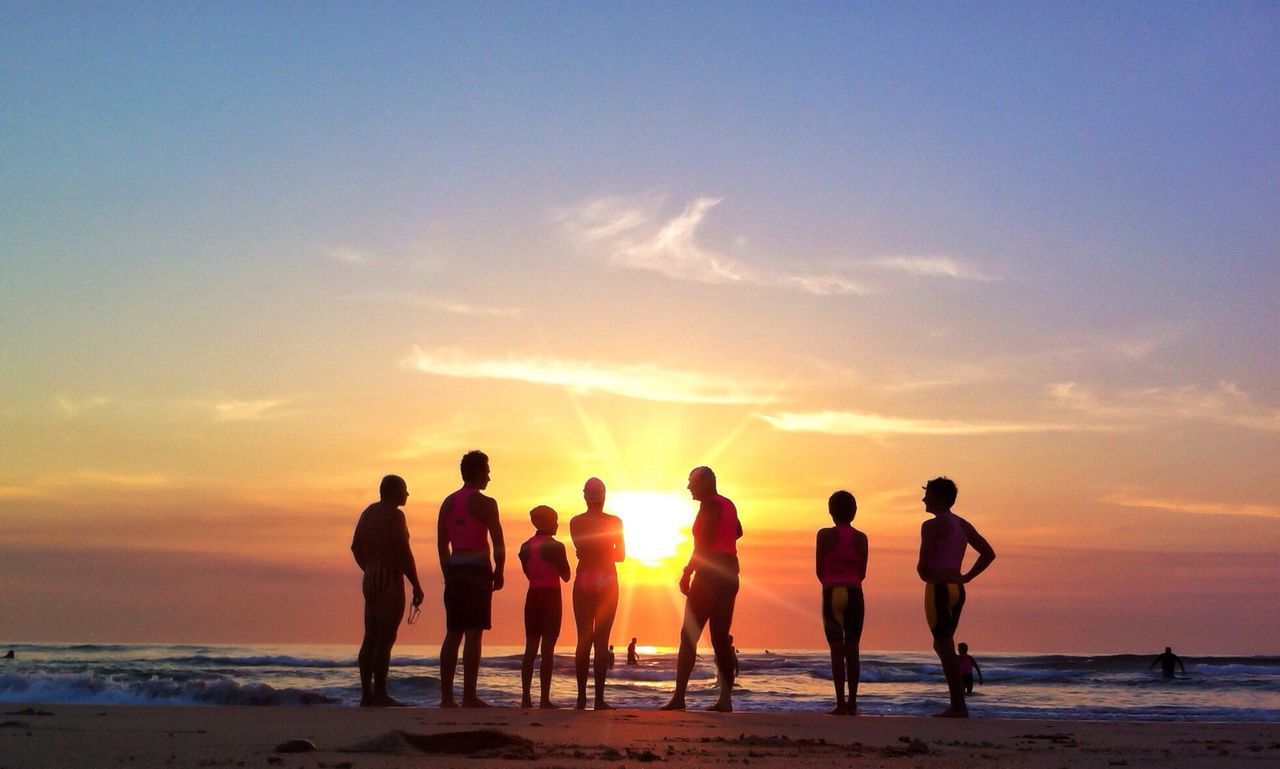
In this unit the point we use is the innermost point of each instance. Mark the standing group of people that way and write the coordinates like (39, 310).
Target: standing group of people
(472, 556)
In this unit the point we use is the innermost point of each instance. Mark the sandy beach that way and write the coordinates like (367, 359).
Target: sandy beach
(66, 736)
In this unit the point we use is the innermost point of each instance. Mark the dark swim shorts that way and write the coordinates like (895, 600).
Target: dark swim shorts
(468, 597)
(943, 603)
(842, 613)
(543, 609)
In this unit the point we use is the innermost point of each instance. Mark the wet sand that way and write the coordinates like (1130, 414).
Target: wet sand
(98, 736)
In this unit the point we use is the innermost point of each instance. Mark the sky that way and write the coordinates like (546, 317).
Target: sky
(254, 257)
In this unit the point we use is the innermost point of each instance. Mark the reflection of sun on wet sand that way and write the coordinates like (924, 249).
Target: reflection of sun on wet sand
(147, 737)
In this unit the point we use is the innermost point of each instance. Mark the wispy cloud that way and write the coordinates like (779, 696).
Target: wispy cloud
(349, 256)
(634, 236)
(876, 425)
(71, 406)
(245, 411)
(645, 381)
(1192, 507)
(407, 299)
(933, 267)
(125, 480)
(1225, 404)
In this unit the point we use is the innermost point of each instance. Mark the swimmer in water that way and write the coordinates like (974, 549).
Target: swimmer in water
(381, 549)
(710, 586)
(632, 657)
(842, 565)
(943, 540)
(597, 537)
(468, 522)
(546, 564)
(967, 667)
(1166, 662)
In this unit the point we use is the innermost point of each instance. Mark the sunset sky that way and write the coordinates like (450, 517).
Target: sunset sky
(254, 258)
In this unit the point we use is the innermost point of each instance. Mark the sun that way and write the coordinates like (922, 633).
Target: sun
(655, 524)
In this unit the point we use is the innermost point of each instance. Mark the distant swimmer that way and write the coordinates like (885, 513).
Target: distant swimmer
(943, 540)
(1166, 662)
(468, 522)
(546, 564)
(9, 655)
(710, 586)
(597, 537)
(632, 657)
(612, 657)
(841, 553)
(968, 665)
(381, 549)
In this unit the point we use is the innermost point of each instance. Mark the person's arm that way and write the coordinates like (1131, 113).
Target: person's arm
(442, 537)
(862, 551)
(703, 522)
(1154, 662)
(619, 542)
(977, 669)
(356, 549)
(499, 546)
(523, 555)
(985, 553)
(565, 572)
(819, 551)
(1181, 667)
(405, 556)
(927, 537)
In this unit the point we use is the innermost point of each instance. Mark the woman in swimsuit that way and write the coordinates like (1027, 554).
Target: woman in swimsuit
(597, 537)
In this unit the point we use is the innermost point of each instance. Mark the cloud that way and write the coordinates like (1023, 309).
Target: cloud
(1192, 507)
(633, 236)
(72, 407)
(644, 381)
(1225, 404)
(348, 256)
(932, 267)
(125, 480)
(245, 411)
(857, 423)
(432, 303)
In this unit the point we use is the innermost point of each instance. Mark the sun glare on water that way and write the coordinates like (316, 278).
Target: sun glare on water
(655, 525)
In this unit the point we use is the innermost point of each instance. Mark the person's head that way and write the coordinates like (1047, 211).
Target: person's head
(962, 647)
(842, 507)
(593, 492)
(393, 490)
(702, 483)
(545, 519)
(475, 469)
(610, 647)
(940, 494)
(633, 639)
(1168, 650)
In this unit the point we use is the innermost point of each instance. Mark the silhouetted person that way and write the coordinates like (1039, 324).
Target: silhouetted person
(632, 657)
(9, 655)
(1166, 662)
(597, 537)
(967, 667)
(710, 586)
(943, 540)
(546, 564)
(381, 549)
(841, 553)
(612, 658)
(468, 521)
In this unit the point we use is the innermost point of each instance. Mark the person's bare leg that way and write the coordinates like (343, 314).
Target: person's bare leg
(448, 667)
(388, 629)
(689, 633)
(721, 625)
(837, 677)
(365, 659)
(526, 670)
(945, 647)
(605, 614)
(548, 667)
(471, 649)
(583, 617)
(853, 666)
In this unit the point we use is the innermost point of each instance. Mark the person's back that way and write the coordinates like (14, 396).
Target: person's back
(1167, 661)
(841, 565)
(546, 564)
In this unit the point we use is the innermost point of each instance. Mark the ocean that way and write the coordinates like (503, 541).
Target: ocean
(1105, 687)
